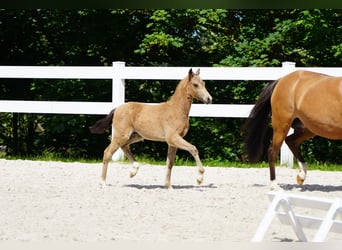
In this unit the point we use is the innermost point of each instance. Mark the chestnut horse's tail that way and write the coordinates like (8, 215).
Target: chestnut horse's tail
(256, 127)
(103, 124)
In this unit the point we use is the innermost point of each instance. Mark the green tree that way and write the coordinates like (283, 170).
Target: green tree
(269, 37)
(187, 37)
(306, 37)
(61, 37)
(172, 37)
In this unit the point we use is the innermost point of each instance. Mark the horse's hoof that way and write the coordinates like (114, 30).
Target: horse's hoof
(274, 186)
(132, 174)
(199, 180)
(300, 180)
(135, 169)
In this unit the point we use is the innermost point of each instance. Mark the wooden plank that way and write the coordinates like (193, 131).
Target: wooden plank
(95, 108)
(48, 107)
(57, 72)
(207, 73)
(306, 201)
(324, 224)
(310, 222)
(158, 73)
(221, 110)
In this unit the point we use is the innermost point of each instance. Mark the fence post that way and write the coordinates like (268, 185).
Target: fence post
(118, 97)
(286, 156)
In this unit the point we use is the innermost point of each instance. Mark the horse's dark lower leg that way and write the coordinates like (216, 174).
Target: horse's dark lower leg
(273, 151)
(271, 162)
(171, 155)
(279, 134)
(293, 141)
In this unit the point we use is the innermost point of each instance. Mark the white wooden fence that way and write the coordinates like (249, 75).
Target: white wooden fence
(119, 72)
(285, 207)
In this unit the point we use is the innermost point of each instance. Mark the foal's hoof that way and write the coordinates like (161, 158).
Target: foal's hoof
(134, 170)
(300, 180)
(199, 180)
(103, 184)
(132, 173)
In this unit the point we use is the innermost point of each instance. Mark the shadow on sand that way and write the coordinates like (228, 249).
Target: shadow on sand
(138, 186)
(312, 187)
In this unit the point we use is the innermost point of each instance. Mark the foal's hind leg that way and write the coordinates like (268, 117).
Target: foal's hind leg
(125, 148)
(120, 138)
(107, 156)
(293, 141)
(178, 142)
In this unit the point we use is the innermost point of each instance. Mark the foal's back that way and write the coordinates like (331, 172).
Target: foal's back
(151, 121)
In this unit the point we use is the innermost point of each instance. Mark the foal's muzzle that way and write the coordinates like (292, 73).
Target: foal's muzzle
(208, 100)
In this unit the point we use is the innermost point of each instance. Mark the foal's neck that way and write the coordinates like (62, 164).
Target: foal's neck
(181, 99)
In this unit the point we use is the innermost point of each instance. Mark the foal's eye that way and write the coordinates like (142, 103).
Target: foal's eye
(195, 85)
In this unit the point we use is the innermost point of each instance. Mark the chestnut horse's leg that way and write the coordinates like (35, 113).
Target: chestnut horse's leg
(293, 141)
(178, 142)
(171, 155)
(280, 130)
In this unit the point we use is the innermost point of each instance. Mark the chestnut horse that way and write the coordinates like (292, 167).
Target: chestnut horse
(167, 121)
(309, 102)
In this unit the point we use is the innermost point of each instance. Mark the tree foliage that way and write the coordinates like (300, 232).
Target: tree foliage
(172, 37)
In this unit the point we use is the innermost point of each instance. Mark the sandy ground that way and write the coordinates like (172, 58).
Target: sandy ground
(55, 201)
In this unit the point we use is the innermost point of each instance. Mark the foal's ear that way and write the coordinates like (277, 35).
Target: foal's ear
(198, 72)
(190, 74)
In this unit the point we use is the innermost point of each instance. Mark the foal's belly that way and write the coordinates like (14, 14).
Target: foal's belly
(152, 135)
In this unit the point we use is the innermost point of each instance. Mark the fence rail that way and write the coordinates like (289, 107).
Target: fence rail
(118, 73)
(286, 206)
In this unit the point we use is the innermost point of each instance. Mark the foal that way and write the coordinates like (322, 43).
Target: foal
(167, 121)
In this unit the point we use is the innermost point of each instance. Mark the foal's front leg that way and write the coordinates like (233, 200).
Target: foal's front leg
(178, 142)
(171, 155)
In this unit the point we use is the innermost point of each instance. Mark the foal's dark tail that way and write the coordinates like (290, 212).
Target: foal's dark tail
(103, 124)
(256, 127)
